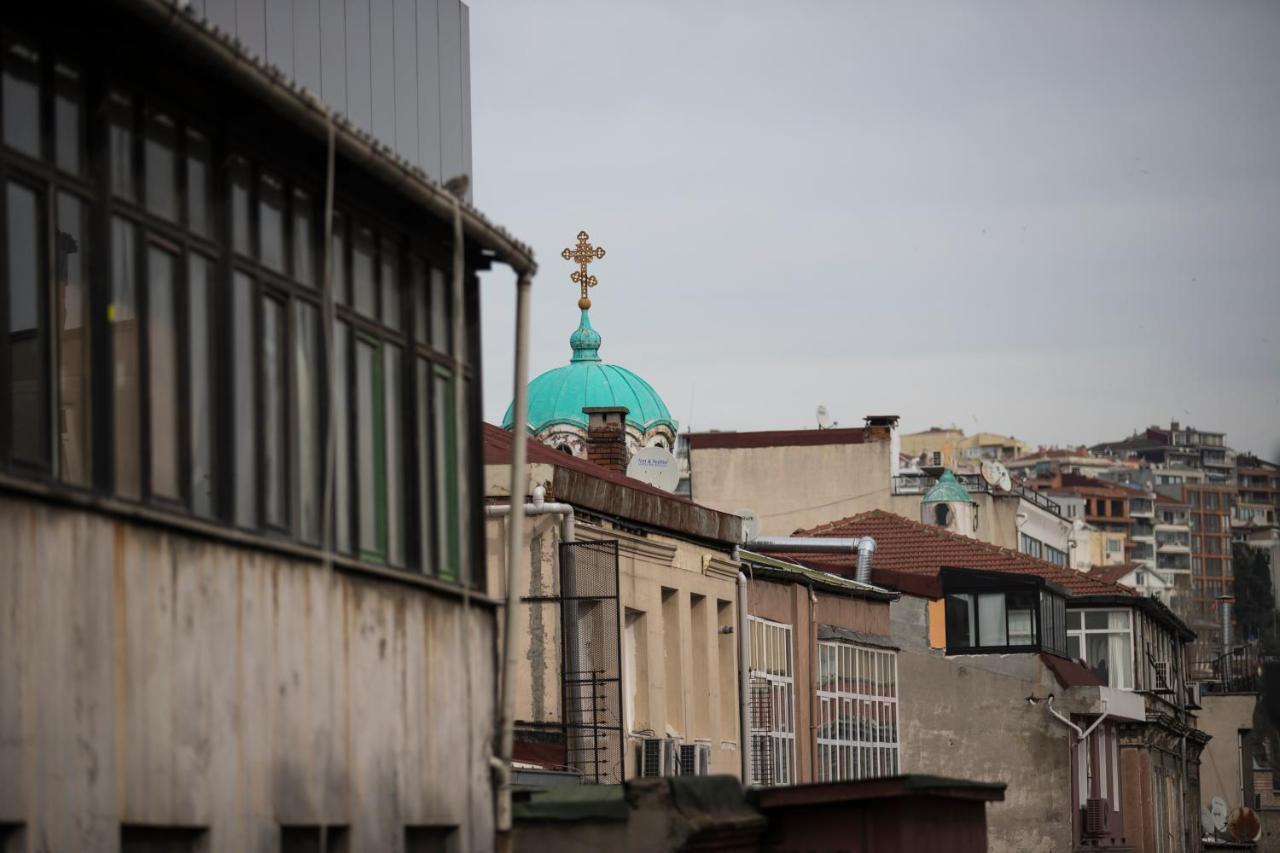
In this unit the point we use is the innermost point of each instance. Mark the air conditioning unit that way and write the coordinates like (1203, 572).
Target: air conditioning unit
(1162, 682)
(1195, 692)
(1096, 811)
(658, 756)
(695, 759)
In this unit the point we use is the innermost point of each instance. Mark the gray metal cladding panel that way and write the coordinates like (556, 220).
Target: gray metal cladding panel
(280, 36)
(452, 161)
(429, 86)
(333, 54)
(382, 67)
(398, 69)
(222, 14)
(406, 78)
(306, 45)
(359, 70)
(251, 26)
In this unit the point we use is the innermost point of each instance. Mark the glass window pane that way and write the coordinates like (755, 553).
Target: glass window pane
(426, 492)
(160, 159)
(274, 413)
(241, 236)
(28, 328)
(991, 625)
(122, 316)
(68, 106)
(390, 285)
(362, 250)
(960, 621)
(339, 260)
(418, 284)
(307, 373)
(162, 373)
(198, 217)
(304, 256)
(200, 382)
(370, 451)
(246, 507)
(446, 498)
(21, 94)
(440, 328)
(72, 276)
(271, 222)
(1095, 619)
(342, 437)
(120, 145)
(394, 455)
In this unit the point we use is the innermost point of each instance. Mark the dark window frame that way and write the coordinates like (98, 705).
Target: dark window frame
(1048, 615)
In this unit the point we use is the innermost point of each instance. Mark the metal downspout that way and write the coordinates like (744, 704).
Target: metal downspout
(515, 540)
(865, 547)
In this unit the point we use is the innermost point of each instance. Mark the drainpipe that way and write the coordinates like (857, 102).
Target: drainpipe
(744, 676)
(1081, 735)
(864, 546)
(519, 455)
(538, 506)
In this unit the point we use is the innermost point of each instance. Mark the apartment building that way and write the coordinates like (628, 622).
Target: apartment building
(1177, 447)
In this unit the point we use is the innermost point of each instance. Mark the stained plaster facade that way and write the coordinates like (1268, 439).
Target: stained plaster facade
(676, 593)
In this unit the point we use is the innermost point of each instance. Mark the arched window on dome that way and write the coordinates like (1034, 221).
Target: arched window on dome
(942, 515)
(564, 448)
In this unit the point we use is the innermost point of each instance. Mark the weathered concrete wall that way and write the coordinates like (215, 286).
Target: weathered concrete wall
(150, 676)
(967, 716)
(794, 488)
(1222, 716)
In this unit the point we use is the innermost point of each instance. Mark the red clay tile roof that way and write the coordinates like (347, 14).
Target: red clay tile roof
(497, 451)
(909, 556)
(1112, 572)
(776, 438)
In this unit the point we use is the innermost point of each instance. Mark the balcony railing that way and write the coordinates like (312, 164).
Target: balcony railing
(1238, 671)
(918, 484)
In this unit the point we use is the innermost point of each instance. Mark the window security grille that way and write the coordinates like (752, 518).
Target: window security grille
(857, 712)
(591, 668)
(1160, 670)
(695, 759)
(772, 703)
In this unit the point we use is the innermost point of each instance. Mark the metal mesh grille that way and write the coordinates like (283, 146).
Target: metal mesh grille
(592, 665)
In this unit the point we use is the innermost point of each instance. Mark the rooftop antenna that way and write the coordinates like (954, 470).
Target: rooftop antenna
(824, 419)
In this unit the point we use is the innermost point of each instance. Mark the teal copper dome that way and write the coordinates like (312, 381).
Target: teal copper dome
(947, 490)
(558, 396)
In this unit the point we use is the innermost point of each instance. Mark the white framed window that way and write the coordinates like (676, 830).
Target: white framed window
(772, 703)
(1103, 639)
(857, 712)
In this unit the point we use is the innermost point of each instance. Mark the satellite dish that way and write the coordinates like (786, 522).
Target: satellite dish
(824, 418)
(1243, 825)
(996, 475)
(1218, 811)
(656, 466)
(750, 524)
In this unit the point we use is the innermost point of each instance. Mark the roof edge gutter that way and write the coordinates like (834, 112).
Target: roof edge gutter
(863, 546)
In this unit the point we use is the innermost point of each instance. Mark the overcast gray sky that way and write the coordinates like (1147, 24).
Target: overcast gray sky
(1056, 220)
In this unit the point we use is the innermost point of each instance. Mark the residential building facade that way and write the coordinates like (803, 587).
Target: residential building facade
(233, 621)
(998, 652)
(628, 639)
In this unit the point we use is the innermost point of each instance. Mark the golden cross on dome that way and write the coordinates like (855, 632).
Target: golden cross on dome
(583, 254)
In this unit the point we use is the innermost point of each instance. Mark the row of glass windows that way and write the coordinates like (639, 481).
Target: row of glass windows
(998, 620)
(166, 342)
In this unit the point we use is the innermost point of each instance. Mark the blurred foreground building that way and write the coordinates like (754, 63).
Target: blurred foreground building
(195, 653)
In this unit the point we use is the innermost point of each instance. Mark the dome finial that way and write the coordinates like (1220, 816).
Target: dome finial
(585, 341)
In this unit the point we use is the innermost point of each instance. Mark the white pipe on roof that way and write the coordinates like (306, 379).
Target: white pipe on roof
(864, 546)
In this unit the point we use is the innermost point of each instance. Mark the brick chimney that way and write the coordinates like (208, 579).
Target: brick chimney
(607, 436)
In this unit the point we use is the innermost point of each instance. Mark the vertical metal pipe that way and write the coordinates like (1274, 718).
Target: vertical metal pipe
(515, 545)
(744, 679)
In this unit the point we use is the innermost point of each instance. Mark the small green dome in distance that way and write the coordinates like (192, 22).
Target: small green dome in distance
(947, 490)
(558, 396)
